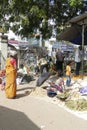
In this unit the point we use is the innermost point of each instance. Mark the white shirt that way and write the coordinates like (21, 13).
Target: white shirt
(20, 71)
(24, 70)
(53, 53)
(53, 56)
(78, 55)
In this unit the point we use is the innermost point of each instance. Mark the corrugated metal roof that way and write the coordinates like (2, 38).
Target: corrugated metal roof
(79, 19)
(70, 33)
(74, 33)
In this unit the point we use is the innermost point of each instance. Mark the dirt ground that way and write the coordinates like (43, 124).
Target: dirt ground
(34, 110)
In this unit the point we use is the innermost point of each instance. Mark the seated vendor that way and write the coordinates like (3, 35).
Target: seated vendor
(23, 73)
(20, 70)
(43, 64)
(59, 83)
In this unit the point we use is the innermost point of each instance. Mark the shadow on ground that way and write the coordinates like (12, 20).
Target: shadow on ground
(24, 88)
(15, 120)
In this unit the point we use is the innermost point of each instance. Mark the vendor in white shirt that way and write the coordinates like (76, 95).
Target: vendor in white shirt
(22, 72)
(78, 56)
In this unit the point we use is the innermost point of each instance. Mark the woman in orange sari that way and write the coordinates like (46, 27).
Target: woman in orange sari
(11, 72)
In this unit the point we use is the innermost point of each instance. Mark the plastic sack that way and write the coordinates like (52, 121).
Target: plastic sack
(83, 90)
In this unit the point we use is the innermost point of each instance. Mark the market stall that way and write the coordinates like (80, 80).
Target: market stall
(77, 33)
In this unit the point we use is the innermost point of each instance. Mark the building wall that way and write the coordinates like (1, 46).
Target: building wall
(3, 50)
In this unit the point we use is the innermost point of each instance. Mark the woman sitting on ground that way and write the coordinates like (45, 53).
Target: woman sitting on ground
(59, 83)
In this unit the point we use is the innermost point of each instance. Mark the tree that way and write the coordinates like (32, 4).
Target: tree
(24, 17)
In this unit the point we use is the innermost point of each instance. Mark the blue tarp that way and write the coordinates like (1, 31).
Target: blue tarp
(78, 40)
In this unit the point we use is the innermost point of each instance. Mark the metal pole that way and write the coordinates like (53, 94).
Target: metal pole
(40, 42)
(83, 28)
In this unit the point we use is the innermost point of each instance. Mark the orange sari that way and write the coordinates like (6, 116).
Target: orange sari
(10, 88)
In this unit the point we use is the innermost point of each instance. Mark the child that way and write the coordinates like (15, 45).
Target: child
(68, 73)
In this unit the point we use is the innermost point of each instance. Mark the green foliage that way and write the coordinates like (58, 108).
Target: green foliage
(30, 13)
(74, 3)
(63, 96)
(80, 105)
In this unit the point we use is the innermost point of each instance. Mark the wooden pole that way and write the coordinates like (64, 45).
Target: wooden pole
(83, 30)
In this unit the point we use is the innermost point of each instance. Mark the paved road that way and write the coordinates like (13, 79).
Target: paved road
(30, 113)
